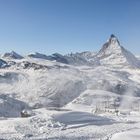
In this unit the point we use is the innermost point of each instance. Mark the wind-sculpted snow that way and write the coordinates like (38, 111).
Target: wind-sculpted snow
(55, 86)
(92, 97)
(10, 77)
(68, 90)
(77, 117)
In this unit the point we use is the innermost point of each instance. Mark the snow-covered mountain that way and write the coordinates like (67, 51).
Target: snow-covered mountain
(112, 53)
(12, 55)
(84, 58)
(38, 55)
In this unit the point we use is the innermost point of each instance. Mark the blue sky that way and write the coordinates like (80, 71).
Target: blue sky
(64, 26)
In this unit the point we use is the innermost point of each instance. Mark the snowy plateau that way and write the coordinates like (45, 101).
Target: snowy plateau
(78, 96)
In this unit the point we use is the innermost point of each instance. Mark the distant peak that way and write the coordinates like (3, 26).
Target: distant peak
(13, 52)
(13, 55)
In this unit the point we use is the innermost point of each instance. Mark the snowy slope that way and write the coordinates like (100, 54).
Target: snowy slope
(129, 135)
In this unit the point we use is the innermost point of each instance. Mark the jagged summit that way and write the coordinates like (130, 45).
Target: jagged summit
(113, 40)
(112, 53)
(12, 55)
(111, 46)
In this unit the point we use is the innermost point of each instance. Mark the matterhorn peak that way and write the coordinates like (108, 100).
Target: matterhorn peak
(110, 47)
(112, 53)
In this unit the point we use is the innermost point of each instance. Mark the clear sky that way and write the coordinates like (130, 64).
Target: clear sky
(64, 26)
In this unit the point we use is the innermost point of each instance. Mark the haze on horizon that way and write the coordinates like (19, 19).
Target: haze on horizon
(65, 26)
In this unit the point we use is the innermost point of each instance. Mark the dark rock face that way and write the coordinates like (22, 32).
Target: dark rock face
(29, 65)
(3, 63)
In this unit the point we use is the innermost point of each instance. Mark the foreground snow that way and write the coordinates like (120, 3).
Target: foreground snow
(66, 124)
(128, 135)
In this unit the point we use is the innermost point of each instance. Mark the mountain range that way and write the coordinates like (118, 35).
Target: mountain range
(112, 53)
